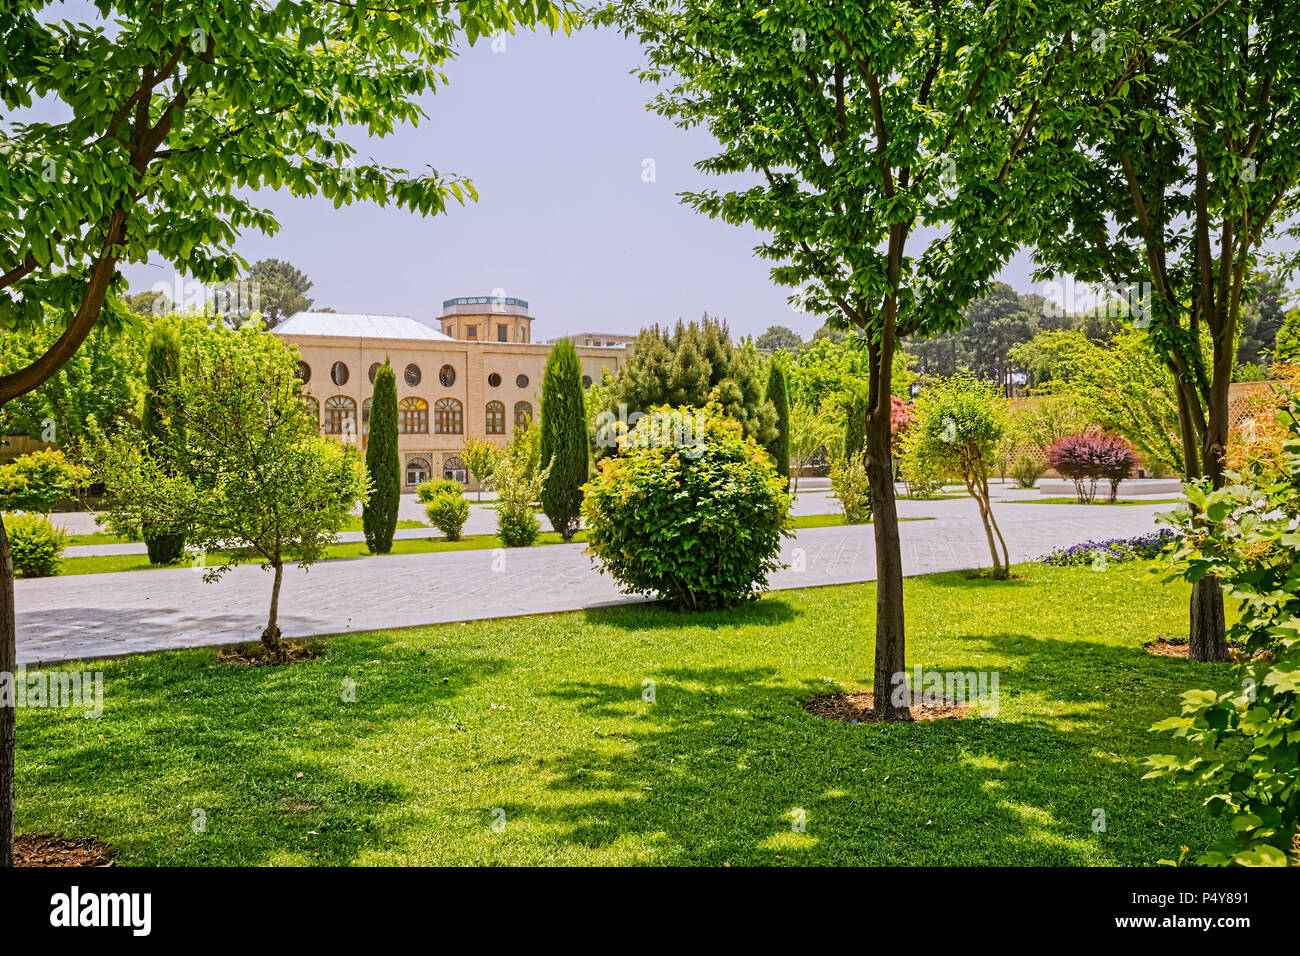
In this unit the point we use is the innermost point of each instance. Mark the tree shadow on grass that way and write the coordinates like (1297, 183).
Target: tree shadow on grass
(273, 759)
(766, 611)
(725, 766)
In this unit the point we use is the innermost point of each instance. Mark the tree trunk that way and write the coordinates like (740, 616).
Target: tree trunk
(8, 714)
(890, 637)
(271, 636)
(1206, 640)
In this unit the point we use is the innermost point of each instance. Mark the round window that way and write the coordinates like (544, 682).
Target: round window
(447, 375)
(304, 372)
(339, 374)
(522, 381)
(586, 381)
(374, 370)
(494, 379)
(412, 375)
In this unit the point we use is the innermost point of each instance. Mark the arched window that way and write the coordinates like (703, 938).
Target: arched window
(304, 372)
(447, 375)
(340, 416)
(454, 469)
(496, 418)
(365, 417)
(313, 409)
(523, 414)
(339, 374)
(412, 375)
(448, 417)
(412, 417)
(417, 471)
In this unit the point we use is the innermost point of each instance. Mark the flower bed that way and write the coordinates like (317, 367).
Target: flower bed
(1139, 548)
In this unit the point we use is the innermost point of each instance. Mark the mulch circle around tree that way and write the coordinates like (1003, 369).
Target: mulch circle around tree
(47, 849)
(855, 708)
(256, 655)
(1167, 647)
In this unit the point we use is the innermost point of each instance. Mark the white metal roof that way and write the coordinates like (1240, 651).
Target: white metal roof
(358, 325)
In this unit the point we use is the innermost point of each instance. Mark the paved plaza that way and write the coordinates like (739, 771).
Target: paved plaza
(94, 615)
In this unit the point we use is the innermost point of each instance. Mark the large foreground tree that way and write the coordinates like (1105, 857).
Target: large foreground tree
(862, 122)
(176, 115)
(1173, 192)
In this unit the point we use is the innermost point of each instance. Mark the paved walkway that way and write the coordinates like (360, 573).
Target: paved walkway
(99, 615)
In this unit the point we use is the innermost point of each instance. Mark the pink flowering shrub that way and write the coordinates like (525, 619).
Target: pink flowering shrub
(1091, 457)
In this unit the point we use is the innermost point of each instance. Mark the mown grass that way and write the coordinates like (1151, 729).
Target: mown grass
(104, 537)
(1095, 501)
(542, 723)
(110, 563)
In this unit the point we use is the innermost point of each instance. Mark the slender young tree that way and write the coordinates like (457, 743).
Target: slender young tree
(379, 512)
(1171, 193)
(779, 447)
(862, 122)
(174, 118)
(162, 365)
(564, 439)
(248, 475)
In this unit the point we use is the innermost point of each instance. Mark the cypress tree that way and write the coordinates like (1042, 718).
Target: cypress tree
(379, 512)
(162, 368)
(779, 447)
(564, 438)
(855, 428)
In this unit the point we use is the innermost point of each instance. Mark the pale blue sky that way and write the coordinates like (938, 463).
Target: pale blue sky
(553, 131)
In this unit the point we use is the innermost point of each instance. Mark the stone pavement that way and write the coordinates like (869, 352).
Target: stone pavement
(98, 615)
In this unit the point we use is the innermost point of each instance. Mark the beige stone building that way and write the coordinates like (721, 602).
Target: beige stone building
(475, 372)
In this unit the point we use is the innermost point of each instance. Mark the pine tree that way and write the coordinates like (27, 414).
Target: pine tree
(693, 365)
(779, 447)
(564, 439)
(162, 369)
(379, 512)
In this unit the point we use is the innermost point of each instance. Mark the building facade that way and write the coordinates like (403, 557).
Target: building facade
(452, 381)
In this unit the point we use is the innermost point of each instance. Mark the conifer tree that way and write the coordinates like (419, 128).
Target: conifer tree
(779, 447)
(855, 427)
(564, 439)
(693, 365)
(162, 367)
(379, 512)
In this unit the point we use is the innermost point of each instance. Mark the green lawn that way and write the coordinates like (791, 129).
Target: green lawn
(103, 537)
(543, 718)
(1097, 501)
(110, 563)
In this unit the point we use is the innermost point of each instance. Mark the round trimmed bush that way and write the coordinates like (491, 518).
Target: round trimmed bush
(438, 486)
(35, 544)
(448, 513)
(690, 510)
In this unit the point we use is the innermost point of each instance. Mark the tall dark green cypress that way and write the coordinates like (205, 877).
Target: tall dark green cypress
(379, 511)
(855, 428)
(779, 447)
(162, 368)
(564, 438)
